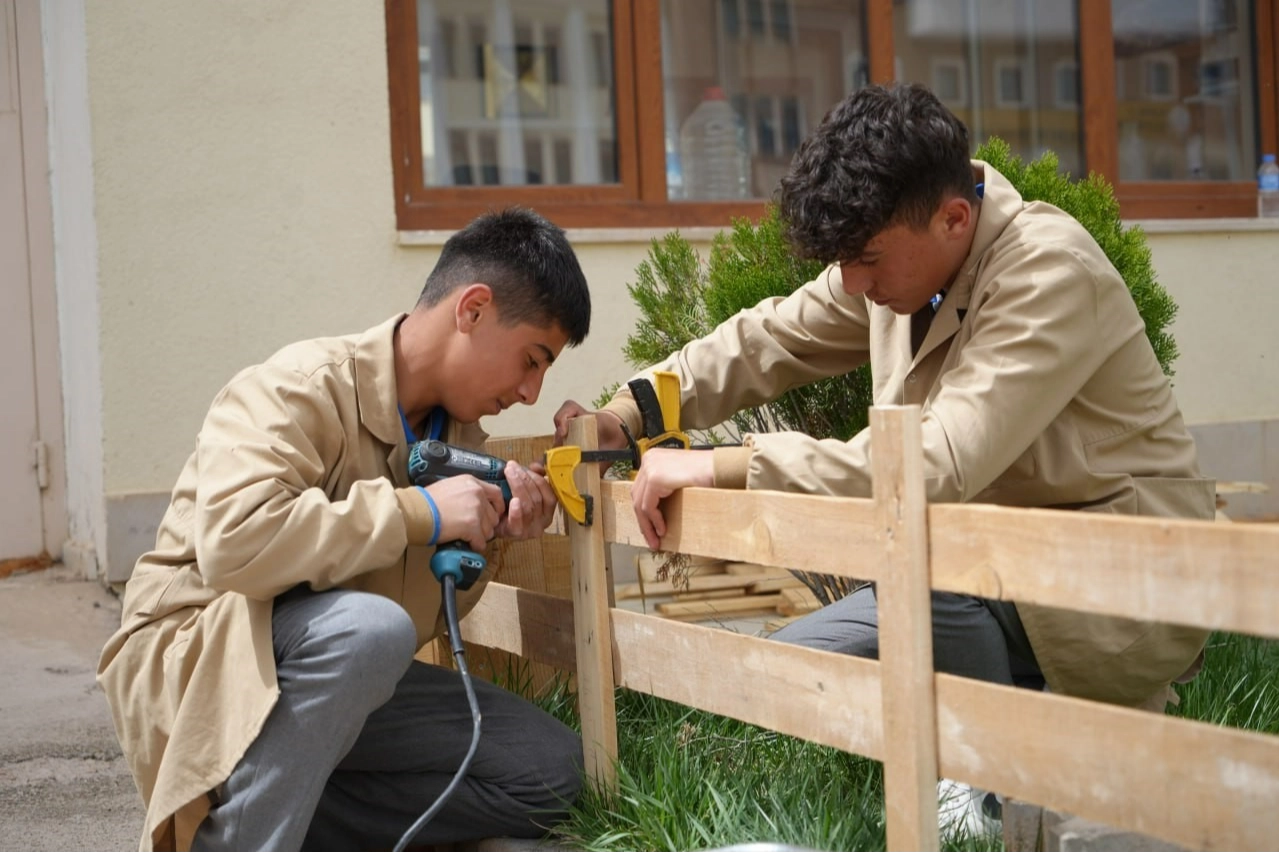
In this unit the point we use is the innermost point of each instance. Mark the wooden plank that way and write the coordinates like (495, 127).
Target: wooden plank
(532, 625)
(767, 528)
(736, 568)
(540, 565)
(697, 583)
(796, 601)
(824, 697)
(591, 627)
(718, 607)
(648, 564)
(775, 584)
(1201, 786)
(905, 630)
(1200, 573)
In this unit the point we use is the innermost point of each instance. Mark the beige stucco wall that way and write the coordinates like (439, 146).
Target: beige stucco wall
(243, 196)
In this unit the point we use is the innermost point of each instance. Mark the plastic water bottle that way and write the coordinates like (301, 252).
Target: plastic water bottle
(1268, 187)
(713, 153)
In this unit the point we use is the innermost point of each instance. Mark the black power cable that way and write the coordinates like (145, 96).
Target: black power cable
(449, 584)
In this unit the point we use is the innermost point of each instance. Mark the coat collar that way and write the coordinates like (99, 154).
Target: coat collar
(379, 399)
(1000, 205)
(375, 381)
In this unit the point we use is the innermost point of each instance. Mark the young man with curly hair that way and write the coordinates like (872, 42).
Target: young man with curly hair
(1005, 322)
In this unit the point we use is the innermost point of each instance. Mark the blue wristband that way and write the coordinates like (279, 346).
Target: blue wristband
(435, 514)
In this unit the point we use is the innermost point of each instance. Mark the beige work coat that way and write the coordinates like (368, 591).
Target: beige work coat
(293, 480)
(1038, 388)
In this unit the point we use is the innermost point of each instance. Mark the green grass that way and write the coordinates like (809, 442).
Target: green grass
(1238, 687)
(689, 780)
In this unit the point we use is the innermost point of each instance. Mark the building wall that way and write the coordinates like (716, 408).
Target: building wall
(242, 190)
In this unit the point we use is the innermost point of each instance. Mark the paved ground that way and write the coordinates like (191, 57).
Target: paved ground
(63, 782)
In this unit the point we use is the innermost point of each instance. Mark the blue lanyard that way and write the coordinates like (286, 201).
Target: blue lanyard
(434, 425)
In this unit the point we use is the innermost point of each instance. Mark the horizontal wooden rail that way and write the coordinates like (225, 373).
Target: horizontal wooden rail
(533, 625)
(834, 536)
(1195, 784)
(820, 696)
(1202, 786)
(1174, 779)
(1201, 573)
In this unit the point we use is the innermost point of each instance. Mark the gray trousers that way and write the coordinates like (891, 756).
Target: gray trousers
(973, 637)
(363, 738)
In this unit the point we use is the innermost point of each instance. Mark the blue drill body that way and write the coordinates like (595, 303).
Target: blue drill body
(431, 461)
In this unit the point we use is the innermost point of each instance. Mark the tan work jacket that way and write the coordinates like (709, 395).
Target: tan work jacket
(1038, 388)
(293, 480)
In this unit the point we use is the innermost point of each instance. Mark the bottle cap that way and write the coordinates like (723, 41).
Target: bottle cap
(1267, 158)
(714, 93)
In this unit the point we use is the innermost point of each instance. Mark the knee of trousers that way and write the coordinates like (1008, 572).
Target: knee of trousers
(559, 768)
(368, 643)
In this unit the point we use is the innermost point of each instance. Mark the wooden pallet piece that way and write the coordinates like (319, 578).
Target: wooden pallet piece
(721, 607)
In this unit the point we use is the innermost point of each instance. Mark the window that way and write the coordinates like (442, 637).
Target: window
(986, 59)
(1010, 83)
(577, 106)
(1186, 98)
(950, 81)
(1159, 77)
(1066, 84)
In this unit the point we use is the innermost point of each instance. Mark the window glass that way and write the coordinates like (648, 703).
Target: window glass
(1185, 101)
(516, 92)
(744, 81)
(1006, 68)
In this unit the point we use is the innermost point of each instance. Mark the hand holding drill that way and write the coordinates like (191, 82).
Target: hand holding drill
(497, 498)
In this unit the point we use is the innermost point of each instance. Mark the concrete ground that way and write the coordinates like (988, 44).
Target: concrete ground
(63, 782)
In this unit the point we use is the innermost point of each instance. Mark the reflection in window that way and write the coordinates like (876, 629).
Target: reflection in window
(781, 65)
(1006, 86)
(1184, 73)
(527, 98)
(1066, 84)
(950, 83)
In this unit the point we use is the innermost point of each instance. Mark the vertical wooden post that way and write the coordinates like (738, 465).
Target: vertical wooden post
(905, 630)
(591, 624)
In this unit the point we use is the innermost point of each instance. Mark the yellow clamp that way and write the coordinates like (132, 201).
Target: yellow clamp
(659, 407)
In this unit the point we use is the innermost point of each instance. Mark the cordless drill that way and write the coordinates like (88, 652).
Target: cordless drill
(431, 461)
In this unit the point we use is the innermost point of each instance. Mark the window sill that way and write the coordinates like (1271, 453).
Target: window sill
(1205, 226)
(582, 236)
(704, 234)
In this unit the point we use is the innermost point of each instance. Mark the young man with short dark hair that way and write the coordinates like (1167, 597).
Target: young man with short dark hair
(263, 681)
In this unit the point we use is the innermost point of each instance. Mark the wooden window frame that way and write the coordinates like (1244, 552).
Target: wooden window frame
(639, 200)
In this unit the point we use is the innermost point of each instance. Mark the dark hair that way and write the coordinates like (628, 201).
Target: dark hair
(528, 263)
(885, 155)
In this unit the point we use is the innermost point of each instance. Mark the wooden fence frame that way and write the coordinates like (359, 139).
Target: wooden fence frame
(1195, 784)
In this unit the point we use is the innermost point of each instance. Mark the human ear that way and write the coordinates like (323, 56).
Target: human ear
(471, 305)
(955, 216)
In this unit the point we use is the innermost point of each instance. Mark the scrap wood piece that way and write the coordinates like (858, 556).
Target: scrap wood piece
(1235, 487)
(796, 601)
(720, 607)
(773, 625)
(662, 566)
(754, 570)
(774, 584)
(696, 583)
